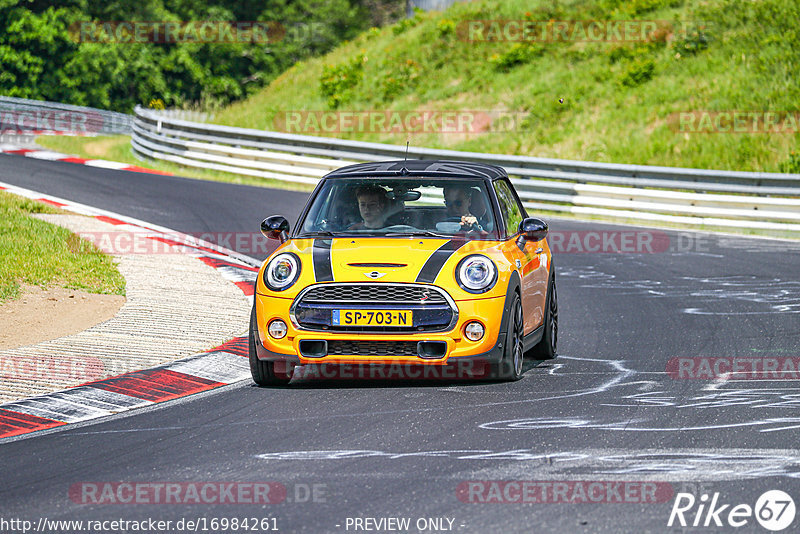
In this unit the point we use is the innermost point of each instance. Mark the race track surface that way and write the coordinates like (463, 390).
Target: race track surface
(605, 411)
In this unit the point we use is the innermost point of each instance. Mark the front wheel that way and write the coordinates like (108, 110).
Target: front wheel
(263, 372)
(546, 348)
(510, 366)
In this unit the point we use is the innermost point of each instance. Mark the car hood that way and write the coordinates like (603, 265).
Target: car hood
(361, 259)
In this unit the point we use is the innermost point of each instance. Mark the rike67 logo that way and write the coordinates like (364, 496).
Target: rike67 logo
(774, 510)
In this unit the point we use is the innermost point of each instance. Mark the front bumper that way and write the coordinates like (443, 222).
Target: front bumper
(489, 311)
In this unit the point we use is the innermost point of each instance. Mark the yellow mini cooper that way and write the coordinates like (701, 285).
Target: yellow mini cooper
(425, 264)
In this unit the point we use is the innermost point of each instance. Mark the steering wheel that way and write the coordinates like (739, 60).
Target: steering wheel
(475, 227)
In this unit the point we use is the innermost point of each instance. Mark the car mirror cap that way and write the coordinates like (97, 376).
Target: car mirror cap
(275, 227)
(533, 229)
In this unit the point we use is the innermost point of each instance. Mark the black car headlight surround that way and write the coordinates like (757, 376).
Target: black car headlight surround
(282, 271)
(476, 274)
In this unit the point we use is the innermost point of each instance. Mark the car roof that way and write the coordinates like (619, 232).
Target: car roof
(420, 167)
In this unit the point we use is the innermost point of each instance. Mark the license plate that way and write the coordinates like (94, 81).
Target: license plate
(372, 318)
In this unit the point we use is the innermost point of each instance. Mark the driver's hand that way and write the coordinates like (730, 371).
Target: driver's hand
(469, 220)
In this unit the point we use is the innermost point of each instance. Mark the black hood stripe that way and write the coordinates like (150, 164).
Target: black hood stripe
(437, 260)
(321, 254)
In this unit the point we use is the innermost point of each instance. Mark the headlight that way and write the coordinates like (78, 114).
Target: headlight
(476, 274)
(282, 271)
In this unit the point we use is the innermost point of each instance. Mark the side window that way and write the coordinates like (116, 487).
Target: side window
(509, 207)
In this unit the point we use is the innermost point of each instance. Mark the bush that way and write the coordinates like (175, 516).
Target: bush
(791, 165)
(518, 54)
(446, 27)
(691, 42)
(337, 81)
(639, 72)
(399, 81)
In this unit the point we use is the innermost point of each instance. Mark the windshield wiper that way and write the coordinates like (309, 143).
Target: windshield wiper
(417, 233)
(321, 233)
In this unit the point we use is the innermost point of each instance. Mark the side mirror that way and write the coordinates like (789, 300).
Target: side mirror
(275, 227)
(533, 229)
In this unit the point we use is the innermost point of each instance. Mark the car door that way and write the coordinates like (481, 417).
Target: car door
(529, 256)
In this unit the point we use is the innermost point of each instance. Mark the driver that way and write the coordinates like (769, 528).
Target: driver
(457, 199)
(372, 203)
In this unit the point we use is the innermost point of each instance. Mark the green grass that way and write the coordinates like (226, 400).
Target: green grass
(118, 148)
(34, 252)
(617, 97)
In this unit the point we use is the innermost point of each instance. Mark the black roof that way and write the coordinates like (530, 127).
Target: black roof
(421, 167)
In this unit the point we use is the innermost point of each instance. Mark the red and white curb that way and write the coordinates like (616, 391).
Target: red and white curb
(223, 365)
(58, 156)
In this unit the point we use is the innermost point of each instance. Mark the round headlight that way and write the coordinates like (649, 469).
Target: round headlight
(282, 271)
(476, 274)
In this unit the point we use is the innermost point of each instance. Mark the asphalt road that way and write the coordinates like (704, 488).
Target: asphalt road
(604, 411)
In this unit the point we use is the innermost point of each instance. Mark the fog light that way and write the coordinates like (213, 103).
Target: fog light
(474, 331)
(277, 329)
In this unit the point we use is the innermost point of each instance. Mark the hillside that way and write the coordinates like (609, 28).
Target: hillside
(570, 97)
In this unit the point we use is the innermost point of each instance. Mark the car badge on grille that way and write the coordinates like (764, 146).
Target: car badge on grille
(425, 296)
(375, 275)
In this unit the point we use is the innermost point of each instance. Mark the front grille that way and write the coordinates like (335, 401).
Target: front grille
(373, 293)
(372, 348)
(431, 306)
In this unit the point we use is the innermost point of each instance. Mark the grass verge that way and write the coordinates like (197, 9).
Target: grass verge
(577, 98)
(38, 253)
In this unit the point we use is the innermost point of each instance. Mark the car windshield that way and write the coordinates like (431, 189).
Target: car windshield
(424, 207)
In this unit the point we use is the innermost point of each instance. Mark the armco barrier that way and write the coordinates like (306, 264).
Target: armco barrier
(768, 201)
(37, 116)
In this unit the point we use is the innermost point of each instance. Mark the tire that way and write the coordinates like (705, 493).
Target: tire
(510, 367)
(546, 348)
(263, 372)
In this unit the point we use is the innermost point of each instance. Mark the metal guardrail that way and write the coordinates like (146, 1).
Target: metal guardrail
(768, 201)
(38, 116)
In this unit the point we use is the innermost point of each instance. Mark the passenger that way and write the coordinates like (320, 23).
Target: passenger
(457, 199)
(480, 209)
(372, 203)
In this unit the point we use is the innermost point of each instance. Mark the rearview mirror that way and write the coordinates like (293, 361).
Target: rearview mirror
(275, 227)
(533, 229)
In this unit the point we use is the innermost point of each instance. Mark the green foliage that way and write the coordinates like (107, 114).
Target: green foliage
(337, 81)
(446, 27)
(406, 24)
(637, 7)
(691, 42)
(37, 253)
(517, 54)
(639, 72)
(791, 165)
(398, 80)
(618, 96)
(64, 54)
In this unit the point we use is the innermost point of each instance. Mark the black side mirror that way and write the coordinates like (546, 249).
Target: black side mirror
(275, 227)
(533, 229)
